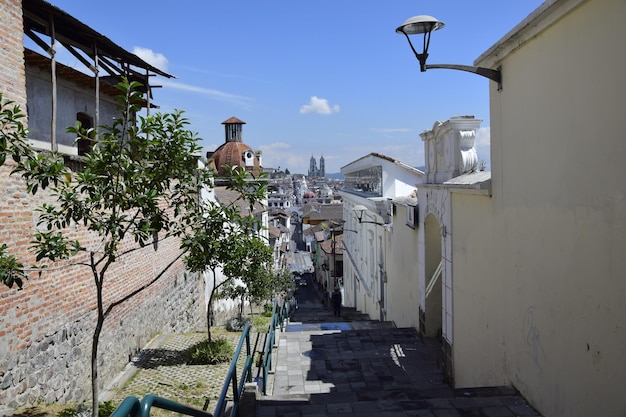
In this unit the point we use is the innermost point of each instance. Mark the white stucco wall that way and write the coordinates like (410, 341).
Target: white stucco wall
(368, 257)
(544, 293)
(402, 298)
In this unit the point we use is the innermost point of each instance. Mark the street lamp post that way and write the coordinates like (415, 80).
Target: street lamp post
(425, 24)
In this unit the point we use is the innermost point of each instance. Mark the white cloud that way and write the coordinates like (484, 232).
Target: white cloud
(216, 94)
(285, 156)
(319, 106)
(155, 59)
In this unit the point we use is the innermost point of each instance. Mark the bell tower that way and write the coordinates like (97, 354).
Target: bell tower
(233, 128)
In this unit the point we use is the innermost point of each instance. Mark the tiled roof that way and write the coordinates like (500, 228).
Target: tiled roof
(327, 245)
(233, 120)
(226, 196)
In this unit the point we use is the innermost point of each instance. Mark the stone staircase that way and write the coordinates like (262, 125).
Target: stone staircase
(358, 367)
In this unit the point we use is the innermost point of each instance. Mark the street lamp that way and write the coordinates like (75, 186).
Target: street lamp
(359, 210)
(427, 24)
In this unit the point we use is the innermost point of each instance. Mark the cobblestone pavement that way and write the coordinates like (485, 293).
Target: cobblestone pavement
(160, 370)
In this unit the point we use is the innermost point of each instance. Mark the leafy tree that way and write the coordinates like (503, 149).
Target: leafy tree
(248, 271)
(139, 182)
(281, 283)
(129, 188)
(223, 237)
(12, 143)
(260, 286)
(11, 270)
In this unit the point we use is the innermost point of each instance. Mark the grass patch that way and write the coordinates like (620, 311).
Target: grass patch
(210, 353)
(261, 323)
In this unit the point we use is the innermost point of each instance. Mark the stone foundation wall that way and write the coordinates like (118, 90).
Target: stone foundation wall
(57, 368)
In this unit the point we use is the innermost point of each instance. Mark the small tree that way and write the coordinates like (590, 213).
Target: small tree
(131, 186)
(13, 143)
(249, 272)
(261, 286)
(223, 237)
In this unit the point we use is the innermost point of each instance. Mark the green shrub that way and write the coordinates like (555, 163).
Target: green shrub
(237, 324)
(106, 408)
(205, 353)
(268, 310)
(68, 412)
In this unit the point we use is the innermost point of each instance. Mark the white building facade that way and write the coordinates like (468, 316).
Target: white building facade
(371, 183)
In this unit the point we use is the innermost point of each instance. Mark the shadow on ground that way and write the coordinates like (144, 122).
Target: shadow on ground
(153, 358)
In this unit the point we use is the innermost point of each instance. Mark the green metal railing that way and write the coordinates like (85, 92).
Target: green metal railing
(279, 317)
(231, 377)
(133, 407)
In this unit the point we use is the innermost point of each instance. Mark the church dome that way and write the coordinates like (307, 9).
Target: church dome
(234, 152)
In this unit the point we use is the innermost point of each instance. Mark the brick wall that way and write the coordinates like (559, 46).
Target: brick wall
(46, 329)
(12, 78)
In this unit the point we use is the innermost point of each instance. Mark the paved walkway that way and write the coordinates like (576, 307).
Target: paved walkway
(351, 366)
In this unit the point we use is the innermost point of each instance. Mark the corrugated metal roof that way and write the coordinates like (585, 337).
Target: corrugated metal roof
(70, 31)
(36, 60)
(328, 212)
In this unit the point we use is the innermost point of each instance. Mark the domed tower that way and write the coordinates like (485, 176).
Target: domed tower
(234, 152)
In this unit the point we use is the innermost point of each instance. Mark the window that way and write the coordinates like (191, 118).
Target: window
(367, 181)
(411, 215)
(84, 145)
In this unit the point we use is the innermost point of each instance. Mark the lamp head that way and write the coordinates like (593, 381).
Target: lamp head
(419, 24)
(359, 210)
(414, 26)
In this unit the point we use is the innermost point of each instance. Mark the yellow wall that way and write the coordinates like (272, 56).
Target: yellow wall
(481, 322)
(540, 277)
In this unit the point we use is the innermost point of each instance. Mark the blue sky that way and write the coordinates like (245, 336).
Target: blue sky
(329, 77)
